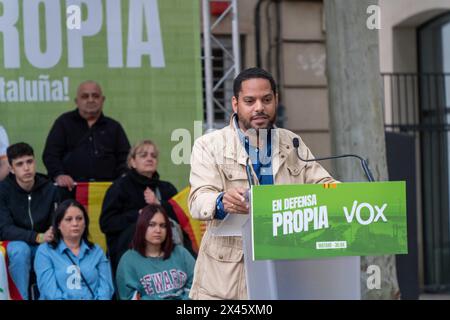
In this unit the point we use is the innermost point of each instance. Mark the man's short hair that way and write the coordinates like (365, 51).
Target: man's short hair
(252, 73)
(18, 150)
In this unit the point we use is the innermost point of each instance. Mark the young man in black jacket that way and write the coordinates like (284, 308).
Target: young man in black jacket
(27, 201)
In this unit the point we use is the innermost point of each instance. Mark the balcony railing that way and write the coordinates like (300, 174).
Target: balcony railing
(417, 102)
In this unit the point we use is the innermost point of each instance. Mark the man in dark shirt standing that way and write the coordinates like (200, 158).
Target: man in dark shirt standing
(84, 145)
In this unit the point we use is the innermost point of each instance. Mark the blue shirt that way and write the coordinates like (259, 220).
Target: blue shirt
(59, 279)
(261, 159)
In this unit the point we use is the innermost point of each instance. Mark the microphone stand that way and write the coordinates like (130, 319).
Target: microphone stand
(364, 163)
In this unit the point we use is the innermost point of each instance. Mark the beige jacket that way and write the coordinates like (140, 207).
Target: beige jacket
(218, 163)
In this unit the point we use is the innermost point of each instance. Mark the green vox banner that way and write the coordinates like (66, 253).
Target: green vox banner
(144, 53)
(329, 220)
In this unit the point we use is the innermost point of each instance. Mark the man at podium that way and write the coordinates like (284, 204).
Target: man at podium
(224, 163)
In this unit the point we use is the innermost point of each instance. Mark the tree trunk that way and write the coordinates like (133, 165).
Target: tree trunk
(356, 102)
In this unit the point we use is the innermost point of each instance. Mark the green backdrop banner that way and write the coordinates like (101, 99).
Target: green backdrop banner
(329, 220)
(144, 53)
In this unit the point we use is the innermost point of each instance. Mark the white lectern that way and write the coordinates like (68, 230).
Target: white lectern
(324, 279)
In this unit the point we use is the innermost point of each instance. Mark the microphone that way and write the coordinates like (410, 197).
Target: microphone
(364, 164)
(249, 174)
(250, 180)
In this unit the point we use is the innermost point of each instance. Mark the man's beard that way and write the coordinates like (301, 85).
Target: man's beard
(248, 125)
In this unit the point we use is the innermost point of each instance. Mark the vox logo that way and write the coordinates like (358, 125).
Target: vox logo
(365, 213)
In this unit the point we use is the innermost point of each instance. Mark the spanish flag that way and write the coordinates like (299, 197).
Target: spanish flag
(8, 290)
(91, 194)
(194, 228)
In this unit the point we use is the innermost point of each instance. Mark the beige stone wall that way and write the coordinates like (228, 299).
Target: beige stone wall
(305, 82)
(399, 21)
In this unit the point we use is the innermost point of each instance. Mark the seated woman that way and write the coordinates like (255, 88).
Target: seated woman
(129, 194)
(155, 268)
(71, 267)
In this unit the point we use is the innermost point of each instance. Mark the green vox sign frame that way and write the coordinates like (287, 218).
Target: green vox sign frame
(328, 220)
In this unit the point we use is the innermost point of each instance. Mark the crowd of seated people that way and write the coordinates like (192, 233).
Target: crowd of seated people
(47, 229)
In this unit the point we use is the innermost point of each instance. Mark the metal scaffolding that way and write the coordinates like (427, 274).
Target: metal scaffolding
(234, 55)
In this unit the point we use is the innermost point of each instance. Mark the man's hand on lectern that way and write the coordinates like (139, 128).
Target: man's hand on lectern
(234, 201)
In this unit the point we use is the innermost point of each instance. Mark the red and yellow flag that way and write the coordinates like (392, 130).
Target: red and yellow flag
(91, 194)
(194, 228)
